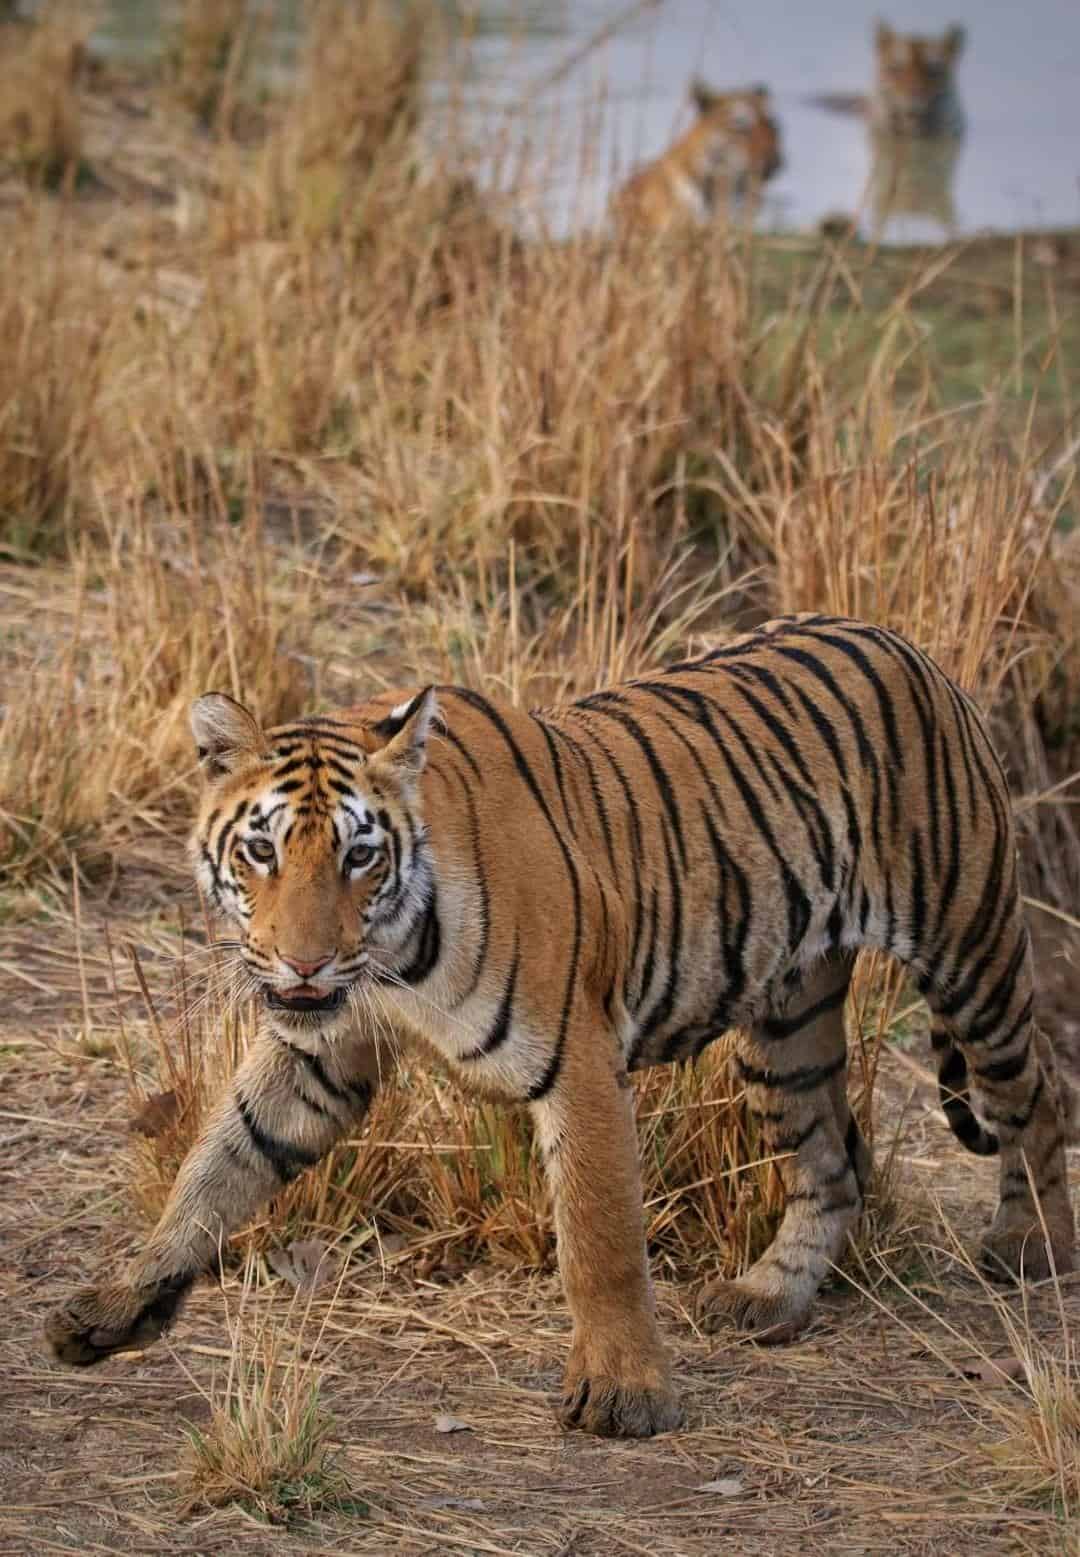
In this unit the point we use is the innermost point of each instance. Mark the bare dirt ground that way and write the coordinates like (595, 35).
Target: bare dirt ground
(883, 1429)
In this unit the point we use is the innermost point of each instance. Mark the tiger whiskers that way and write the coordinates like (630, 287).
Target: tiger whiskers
(226, 987)
(375, 1018)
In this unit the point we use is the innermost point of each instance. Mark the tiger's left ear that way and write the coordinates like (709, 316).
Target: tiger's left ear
(407, 728)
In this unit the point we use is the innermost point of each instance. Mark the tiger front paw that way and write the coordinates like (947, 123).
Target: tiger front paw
(96, 1321)
(612, 1409)
(619, 1391)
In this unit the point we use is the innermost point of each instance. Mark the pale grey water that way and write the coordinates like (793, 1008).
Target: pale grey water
(1019, 80)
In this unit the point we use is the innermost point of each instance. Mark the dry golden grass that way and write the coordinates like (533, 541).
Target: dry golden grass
(206, 56)
(1028, 1391)
(1037, 1454)
(41, 135)
(55, 326)
(358, 103)
(207, 614)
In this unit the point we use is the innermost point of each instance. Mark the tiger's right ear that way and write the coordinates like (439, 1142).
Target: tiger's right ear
(226, 734)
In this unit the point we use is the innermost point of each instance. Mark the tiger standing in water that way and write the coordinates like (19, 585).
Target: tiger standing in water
(553, 899)
(916, 127)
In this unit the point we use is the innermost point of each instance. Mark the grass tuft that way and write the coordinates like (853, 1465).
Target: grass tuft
(266, 1445)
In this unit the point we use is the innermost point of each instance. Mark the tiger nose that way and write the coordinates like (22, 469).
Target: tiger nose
(305, 969)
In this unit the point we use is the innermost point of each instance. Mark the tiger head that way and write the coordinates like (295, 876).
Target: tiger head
(915, 91)
(740, 136)
(310, 843)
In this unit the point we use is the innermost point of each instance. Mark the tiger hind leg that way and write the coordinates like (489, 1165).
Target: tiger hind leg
(794, 1067)
(984, 1032)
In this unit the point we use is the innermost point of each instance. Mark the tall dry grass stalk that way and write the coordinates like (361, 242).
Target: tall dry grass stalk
(56, 326)
(1036, 1453)
(360, 93)
(1024, 1397)
(340, 154)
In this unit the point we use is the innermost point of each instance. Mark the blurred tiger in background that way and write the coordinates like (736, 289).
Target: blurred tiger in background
(915, 87)
(721, 163)
(550, 900)
(916, 124)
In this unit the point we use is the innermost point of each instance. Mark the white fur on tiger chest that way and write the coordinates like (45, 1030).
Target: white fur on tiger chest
(688, 193)
(465, 1008)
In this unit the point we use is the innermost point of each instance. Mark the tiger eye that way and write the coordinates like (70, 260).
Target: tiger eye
(359, 855)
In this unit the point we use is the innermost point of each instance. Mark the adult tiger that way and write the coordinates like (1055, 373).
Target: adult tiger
(552, 899)
(728, 153)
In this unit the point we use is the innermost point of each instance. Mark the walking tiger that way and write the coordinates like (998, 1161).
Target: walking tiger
(552, 899)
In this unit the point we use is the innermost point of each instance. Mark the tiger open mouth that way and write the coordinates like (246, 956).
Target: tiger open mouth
(279, 1002)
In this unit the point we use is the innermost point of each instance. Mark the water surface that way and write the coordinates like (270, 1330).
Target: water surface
(1019, 80)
